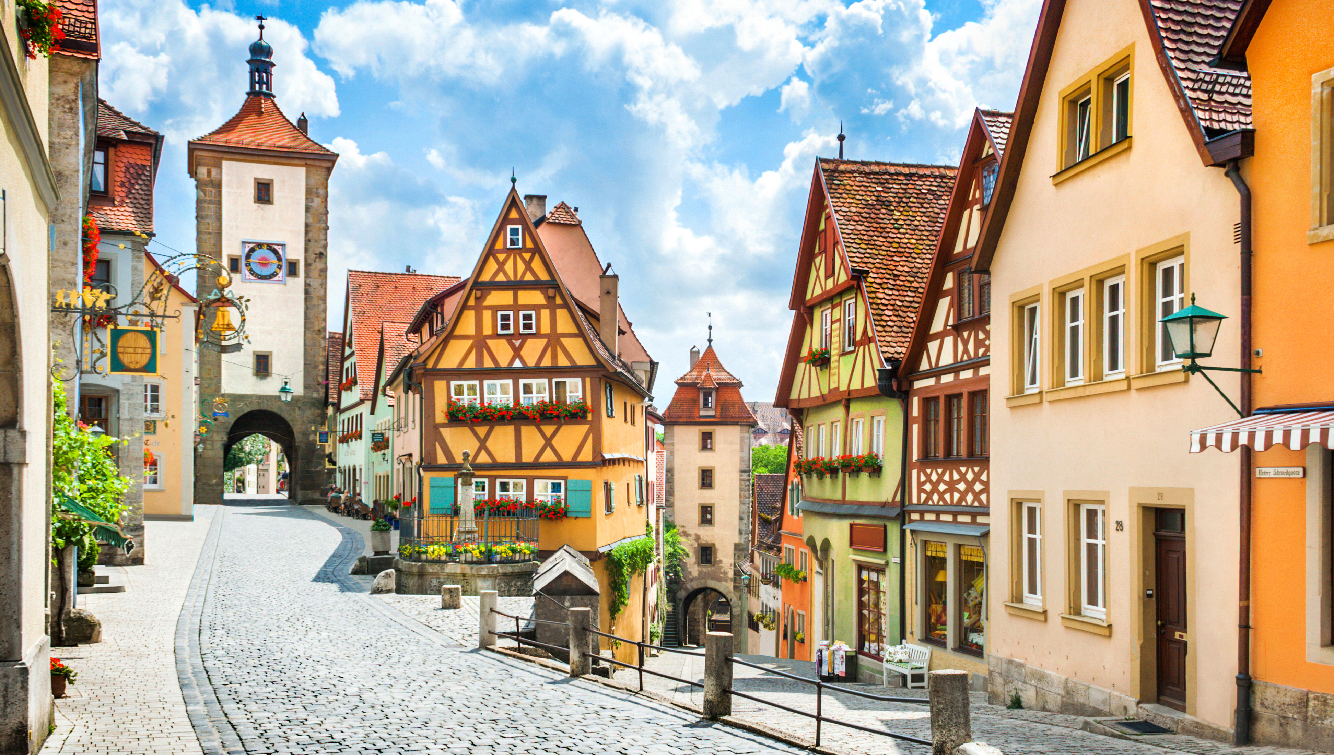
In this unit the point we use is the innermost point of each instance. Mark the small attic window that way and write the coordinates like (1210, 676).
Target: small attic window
(989, 182)
(706, 401)
(513, 237)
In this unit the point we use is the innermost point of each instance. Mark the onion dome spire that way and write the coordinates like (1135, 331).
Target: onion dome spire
(261, 64)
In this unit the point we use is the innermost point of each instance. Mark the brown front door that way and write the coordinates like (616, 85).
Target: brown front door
(1170, 536)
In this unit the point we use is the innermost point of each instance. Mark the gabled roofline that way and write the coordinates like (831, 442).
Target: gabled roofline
(1233, 52)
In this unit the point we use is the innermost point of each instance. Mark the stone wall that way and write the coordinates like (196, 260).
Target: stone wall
(426, 578)
(1291, 717)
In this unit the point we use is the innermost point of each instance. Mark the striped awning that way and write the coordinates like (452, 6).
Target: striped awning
(1294, 430)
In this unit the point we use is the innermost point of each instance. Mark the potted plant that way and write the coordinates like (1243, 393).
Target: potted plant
(817, 357)
(800, 637)
(60, 676)
(380, 537)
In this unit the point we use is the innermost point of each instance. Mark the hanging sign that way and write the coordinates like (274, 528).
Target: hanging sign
(1288, 472)
(133, 351)
(377, 437)
(324, 437)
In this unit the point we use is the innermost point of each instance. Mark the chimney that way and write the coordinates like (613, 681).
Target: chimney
(694, 355)
(536, 204)
(303, 124)
(608, 322)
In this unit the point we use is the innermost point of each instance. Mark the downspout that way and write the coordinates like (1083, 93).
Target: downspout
(887, 382)
(1242, 734)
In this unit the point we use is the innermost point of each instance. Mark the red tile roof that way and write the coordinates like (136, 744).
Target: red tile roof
(769, 491)
(397, 343)
(78, 19)
(888, 216)
(113, 124)
(1192, 33)
(374, 299)
(563, 215)
(708, 364)
(333, 373)
(260, 124)
(998, 125)
(128, 205)
(708, 372)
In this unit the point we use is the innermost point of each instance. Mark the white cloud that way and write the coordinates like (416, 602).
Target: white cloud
(795, 98)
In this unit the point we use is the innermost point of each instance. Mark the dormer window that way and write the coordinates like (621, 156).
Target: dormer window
(989, 182)
(706, 402)
(97, 183)
(513, 237)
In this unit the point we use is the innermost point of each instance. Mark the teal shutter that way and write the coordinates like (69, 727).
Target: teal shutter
(442, 496)
(579, 495)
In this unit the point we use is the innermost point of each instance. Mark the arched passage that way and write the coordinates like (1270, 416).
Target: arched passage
(703, 610)
(272, 426)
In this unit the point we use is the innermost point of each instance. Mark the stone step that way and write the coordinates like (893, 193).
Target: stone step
(107, 579)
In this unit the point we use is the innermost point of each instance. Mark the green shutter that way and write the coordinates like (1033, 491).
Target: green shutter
(579, 495)
(442, 496)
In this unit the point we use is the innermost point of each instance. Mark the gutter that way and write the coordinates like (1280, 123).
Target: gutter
(886, 381)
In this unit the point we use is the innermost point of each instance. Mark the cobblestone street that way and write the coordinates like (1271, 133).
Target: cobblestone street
(266, 645)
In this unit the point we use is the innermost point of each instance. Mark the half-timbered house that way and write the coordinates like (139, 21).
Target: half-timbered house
(947, 377)
(546, 390)
(866, 246)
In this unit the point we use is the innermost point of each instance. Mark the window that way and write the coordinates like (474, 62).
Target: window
(1031, 513)
(499, 392)
(513, 237)
(528, 321)
(826, 327)
(789, 555)
(625, 411)
(989, 174)
(706, 515)
(984, 293)
(970, 595)
(567, 390)
(263, 191)
(820, 437)
(93, 411)
(1092, 560)
(152, 399)
(835, 439)
(794, 497)
(849, 324)
(504, 322)
(978, 430)
(870, 611)
(639, 490)
(1170, 292)
(97, 182)
(803, 563)
(801, 625)
(1322, 157)
(965, 293)
(608, 497)
(293, 268)
(1074, 337)
(1120, 121)
(706, 555)
(611, 400)
(464, 392)
(856, 437)
(152, 473)
(931, 427)
(262, 364)
(512, 490)
(878, 436)
(101, 277)
(479, 489)
(706, 401)
(549, 491)
(1114, 327)
(706, 478)
(1032, 330)
(234, 264)
(706, 440)
(1080, 129)
(955, 419)
(532, 391)
(935, 572)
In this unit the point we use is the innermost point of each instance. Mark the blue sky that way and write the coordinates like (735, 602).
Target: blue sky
(685, 131)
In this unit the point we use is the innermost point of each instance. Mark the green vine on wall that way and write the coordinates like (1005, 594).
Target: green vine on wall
(676, 553)
(83, 470)
(623, 562)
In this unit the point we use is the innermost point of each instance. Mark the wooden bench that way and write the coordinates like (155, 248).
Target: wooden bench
(919, 660)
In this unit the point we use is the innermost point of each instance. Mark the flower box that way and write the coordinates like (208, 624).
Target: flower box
(542, 410)
(817, 358)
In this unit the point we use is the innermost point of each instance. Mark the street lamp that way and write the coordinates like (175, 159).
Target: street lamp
(1192, 332)
(96, 431)
(285, 392)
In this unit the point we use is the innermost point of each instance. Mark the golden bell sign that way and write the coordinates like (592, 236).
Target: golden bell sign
(223, 323)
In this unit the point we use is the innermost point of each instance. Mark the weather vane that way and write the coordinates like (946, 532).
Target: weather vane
(710, 314)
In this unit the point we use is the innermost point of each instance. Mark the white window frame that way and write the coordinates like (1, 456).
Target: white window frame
(1083, 127)
(157, 482)
(517, 488)
(1032, 324)
(856, 436)
(549, 491)
(1097, 541)
(878, 436)
(820, 433)
(528, 321)
(513, 237)
(499, 396)
(826, 327)
(532, 391)
(1118, 104)
(1166, 303)
(479, 488)
(1032, 569)
(153, 407)
(574, 389)
(458, 392)
(1073, 311)
(836, 438)
(1114, 321)
(849, 323)
(706, 400)
(505, 322)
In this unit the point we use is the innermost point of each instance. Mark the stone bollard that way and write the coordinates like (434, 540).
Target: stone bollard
(580, 664)
(451, 596)
(717, 675)
(951, 725)
(486, 633)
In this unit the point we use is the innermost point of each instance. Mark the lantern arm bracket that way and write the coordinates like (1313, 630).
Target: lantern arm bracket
(1195, 368)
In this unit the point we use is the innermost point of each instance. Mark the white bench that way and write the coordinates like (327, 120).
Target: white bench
(919, 660)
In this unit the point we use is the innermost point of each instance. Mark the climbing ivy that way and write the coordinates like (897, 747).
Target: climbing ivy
(83, 470)
(676, 553)
(625, 561)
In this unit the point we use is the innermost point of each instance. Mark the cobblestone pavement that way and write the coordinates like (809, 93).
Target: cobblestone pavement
(303, 661)
(458, 627)
(127, 700)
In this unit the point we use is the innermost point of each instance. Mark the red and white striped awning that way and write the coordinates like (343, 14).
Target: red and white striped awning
(1294, 430)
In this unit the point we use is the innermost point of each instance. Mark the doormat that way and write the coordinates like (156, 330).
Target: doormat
(1140, 727)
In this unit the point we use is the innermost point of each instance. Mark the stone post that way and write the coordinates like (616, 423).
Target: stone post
(717, 675)
(451, 596)
(950, 722)
(486, 635)
(580, 664)
(464, 492)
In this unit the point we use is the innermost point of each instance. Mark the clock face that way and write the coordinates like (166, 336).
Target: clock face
(264, 262)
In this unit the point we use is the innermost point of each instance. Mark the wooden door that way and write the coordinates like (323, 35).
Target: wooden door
(1171, 599)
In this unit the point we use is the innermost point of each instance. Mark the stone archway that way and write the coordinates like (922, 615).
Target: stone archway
(277, 429)
(697, 599)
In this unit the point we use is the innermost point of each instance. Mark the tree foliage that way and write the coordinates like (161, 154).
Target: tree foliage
(675, 553)
(83, 469)
(768, 459)
(250, 450)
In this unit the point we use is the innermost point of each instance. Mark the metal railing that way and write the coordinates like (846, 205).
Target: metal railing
(519, 526)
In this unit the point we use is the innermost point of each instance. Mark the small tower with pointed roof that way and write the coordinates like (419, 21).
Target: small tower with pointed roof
(707, 433)
(261, 210)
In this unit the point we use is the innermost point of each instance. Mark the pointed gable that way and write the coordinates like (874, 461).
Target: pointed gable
(260, 125)
(709, 373)
(374, 299)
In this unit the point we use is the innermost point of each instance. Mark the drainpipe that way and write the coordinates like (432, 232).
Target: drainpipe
(887, 382)
(1242, 734)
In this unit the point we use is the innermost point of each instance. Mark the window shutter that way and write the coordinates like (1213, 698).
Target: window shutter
(442, 496)
(579, 496)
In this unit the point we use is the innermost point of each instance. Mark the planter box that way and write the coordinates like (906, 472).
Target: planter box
(380, 542)
(426, 577)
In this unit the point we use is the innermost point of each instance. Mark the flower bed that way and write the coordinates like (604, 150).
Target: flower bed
(476, 553)
(539, 411)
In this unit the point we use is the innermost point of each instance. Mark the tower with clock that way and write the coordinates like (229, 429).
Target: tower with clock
(261, 208)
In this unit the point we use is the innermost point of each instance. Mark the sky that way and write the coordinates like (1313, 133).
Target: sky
(685, 131)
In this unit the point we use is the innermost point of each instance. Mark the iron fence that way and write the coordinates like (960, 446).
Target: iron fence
(505, 538)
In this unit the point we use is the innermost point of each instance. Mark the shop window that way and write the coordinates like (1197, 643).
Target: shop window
(935, 572)
(870, 611)
(971, 577)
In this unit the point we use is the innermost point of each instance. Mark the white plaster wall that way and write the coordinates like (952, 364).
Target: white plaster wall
(275, 320)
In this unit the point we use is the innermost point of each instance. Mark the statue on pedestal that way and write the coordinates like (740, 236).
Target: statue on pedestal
(467, 519)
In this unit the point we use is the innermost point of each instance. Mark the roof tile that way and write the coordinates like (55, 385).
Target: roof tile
(563, 215)
(998, 125)
(260, 124)
(78, 19)
(769, 492)
(128, 206)
(1193, 32)
(334, 370)
(375, 299)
